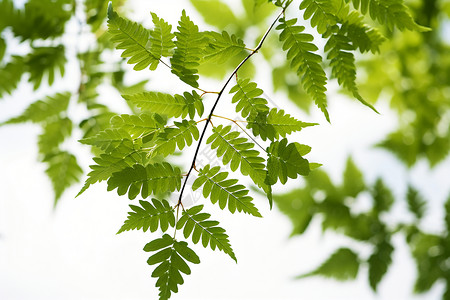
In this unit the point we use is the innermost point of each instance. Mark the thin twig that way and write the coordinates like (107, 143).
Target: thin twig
(218, 98)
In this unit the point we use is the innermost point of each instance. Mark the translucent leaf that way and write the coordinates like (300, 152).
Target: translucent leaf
(341, 265)
(285, 160)
(300, 51)
(133, 38)
(188, 52)
(63, 171)
(166, 104)
(43, 110)
(152, 179)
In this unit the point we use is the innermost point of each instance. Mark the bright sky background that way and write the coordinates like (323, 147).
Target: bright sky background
(73, 253)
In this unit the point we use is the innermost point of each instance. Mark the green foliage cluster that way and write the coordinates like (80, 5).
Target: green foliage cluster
(332, 204)
(133, 151)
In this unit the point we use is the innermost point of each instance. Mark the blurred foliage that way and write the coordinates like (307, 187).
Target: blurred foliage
(413, 72)
(335, 207)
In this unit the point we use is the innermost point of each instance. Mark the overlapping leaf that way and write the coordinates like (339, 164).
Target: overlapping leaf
(197, 223)
(171, 257)
(305, 61)
(286, 160)
(218, 188)
(342, 62)
(108, 139)
(161, 37)
(150, 216)
(174, 137)
(141, 125)
(222, 47)
(133, 38)
(151, 179)
(393, 13)
(321, 12)
(166, 104)
(43, 61)
(275, 124)
(188, 52)
(238, 152)
(124, 155)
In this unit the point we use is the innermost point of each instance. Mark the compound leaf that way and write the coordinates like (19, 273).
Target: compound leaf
(195, 223)
(305, 61)
(171, 260)
(152, 179)
(188, 52)
(133, 38)
(225, 191)
(150, 216)
(166, 104)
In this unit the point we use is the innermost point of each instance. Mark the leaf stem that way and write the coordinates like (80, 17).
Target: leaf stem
(243, 130)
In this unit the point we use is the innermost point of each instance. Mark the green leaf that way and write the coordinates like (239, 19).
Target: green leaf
(305, 61)
(161, 37)
(166, 104)
(133, 38)
(43, 110)
(2, 48)
(238, 152)
(341, 265)
(43, 61)
(53, 134)
(363, 37)
(382, 197)
(429, 269)
(321, 12)
(172, 263)
(222, 47)
(171, 138)
(63, 171)
(188, 52)
(285, 160)
(379, 262)
(416, 204)
(393, 13)
(246, 95)
(11, 74)
(342, 64)
(108, 139)
(41, 19)
(299, 206)
(152, 179)
(353, 179)
(275, 124)
(150, 217)
(197, 224)
(108, 163)
(215, 12)
(225, 191)
(145, 125)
